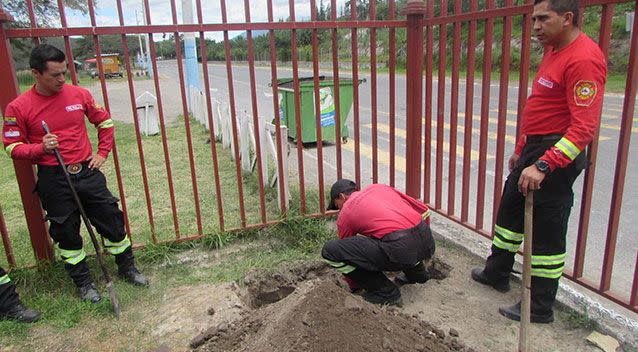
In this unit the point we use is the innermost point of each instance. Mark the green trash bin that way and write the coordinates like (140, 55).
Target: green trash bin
(307, 107)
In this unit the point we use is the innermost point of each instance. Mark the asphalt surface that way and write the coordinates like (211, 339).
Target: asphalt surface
(626, 249)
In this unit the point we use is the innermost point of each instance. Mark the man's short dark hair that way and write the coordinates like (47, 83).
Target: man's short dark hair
(562, 6)
(43, 53)
(344, 186)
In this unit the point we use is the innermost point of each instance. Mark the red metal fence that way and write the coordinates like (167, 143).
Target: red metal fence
(460, 181)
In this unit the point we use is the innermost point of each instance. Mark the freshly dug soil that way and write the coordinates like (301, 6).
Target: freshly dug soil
(320, 314)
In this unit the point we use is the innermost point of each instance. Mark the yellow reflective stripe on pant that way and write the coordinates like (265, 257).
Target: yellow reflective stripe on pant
(507, 239)
(341, 267)
(117, 247)
(4, 279)
(548, 266)
(72, 256)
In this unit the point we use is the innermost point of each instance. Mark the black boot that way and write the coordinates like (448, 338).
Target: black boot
(379, 290)
(416, 274)
(81, 276)
(12, 308)
(501, 285)
(127, 270)
(20, 313)
(514, 312)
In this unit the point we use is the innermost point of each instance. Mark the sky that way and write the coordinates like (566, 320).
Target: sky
(106, 12)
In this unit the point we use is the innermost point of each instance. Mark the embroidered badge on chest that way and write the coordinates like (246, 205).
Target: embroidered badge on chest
(585, 92)
(545, 82)
(74, 107)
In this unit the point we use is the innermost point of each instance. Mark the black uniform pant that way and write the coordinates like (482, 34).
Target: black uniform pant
(8, 295)
(64, 216)
(552, 206)
(397, 251)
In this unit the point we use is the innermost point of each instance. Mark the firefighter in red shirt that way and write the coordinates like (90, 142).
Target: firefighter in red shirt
(10, 305)
(560, 119)
(64, 107)
(380, 229)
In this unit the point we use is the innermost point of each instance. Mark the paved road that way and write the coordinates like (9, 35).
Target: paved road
(627, 248)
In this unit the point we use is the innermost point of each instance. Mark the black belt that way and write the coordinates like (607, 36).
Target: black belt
(393, 236)
(73, 169)
(538, 138)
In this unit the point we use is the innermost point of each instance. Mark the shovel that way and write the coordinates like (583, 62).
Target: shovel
(527, 273)
(115, 303)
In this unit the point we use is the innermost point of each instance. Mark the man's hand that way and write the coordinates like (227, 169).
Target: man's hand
(530, 179)
(49, 142)
(96, 162)
(512, 162)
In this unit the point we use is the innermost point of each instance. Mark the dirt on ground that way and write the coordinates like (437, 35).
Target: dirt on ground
(308, 309)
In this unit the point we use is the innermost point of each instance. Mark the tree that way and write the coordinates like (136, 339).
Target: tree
(46, 12)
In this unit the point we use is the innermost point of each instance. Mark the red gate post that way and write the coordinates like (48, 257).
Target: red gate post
(24, 170)
(415, 11)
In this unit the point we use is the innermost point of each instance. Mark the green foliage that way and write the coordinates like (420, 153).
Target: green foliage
(577, 320)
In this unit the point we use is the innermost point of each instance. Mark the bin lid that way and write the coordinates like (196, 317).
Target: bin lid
(288, 82)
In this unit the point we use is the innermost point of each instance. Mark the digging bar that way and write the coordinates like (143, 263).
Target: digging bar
(115, 302)
(527, 273)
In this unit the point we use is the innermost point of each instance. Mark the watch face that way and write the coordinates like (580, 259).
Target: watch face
(542, 166)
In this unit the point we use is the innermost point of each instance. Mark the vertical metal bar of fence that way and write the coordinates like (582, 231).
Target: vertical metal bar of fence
(211, 121)
(138, 136)
(440, 107)
(414, 10)
(160, 111)
(373, 94)
(253, 100)
(233, 115)
(335, 74)
(34, 23)
(67, 44)
(189, 141)
(24, 171)
(317, 87)
(621, 161)
(502, 111)
(8, 250)
(592, 153)
(297, 98)
(454, 111)
(633, 299)
(429, 73)
(523, 80)
(276, 107)
(485, 114)
(355, 93)
(469, 113)
(105, 97)
(392, 86)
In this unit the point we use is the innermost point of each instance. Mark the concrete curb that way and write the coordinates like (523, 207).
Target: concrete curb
(610, 318)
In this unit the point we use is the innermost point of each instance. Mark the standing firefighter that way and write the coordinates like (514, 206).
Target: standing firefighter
(380, 229)
(64, 107)
(10, 305)
(560, 119)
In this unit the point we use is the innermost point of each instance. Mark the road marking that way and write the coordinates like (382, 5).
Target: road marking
(617, 128)
(474, 155)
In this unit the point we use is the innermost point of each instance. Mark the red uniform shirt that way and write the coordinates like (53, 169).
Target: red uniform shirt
(566, 99)
(378, 210)
(64, 112)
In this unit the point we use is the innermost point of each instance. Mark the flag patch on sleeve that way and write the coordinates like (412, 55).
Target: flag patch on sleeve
(10, 121)
(585, 92)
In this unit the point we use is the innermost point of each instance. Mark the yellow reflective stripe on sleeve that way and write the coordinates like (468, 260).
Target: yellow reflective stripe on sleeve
(341, 267)
(505, 245)
(117, 247)
(508, 234)
(106, 124)
(549, 259)
(425, 215)
(568, 148)
(72, 256)
(548, 273)
(10, 147)
(4, 279)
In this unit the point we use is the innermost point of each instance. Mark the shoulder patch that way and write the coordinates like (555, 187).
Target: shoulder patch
(12, 133)
(585, 92)
(10, 121)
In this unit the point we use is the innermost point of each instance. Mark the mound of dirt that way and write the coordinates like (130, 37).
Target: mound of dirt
(320, 315)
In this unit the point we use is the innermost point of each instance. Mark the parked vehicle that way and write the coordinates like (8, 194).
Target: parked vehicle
(110, 65)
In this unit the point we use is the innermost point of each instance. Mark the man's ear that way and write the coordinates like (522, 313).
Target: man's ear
(568, 18)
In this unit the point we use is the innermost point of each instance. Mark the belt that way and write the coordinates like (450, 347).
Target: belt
(538, 138)
(393, 236)
(73, 169)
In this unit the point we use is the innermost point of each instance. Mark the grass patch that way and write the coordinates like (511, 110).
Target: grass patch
(576, 320)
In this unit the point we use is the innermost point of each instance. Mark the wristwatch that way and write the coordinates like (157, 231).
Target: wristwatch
(542, 166)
